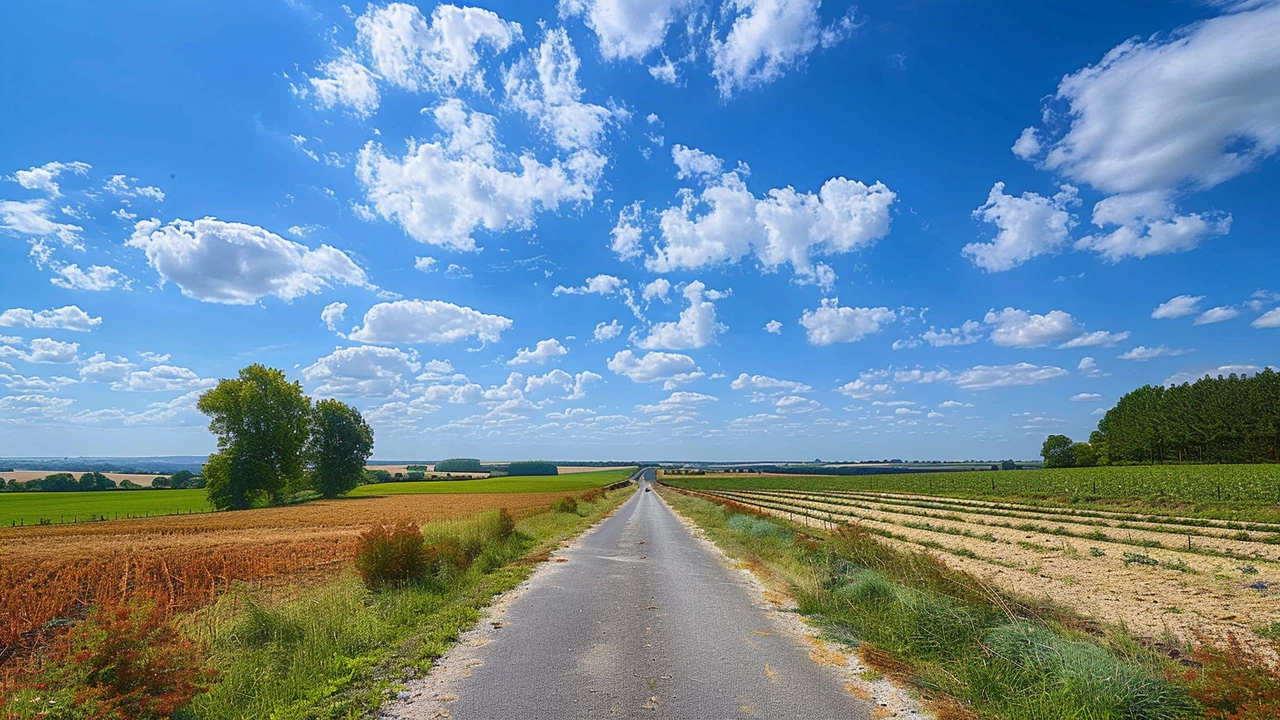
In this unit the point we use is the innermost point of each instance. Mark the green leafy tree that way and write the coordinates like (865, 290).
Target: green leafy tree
(1058, 452)
(340, 444)
(1083, 455)
(262, 422)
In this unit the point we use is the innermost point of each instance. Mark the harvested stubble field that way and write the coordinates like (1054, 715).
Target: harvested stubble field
(1160, 576)
(51, 573)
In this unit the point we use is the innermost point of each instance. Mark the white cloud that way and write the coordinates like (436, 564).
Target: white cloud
(767, 38)
(1216, 315)
(32, 406)
(544, 86)
(680, 402)
(69, 317)
(968, 333)
(1270, 319)
(1028, 226)
(986, 377)
(832, 323)
(43, 177)
(607, 331)
(724, 222)
(442, 192)
(124, 186)
(238, 264)
(1085, 397)
(99, 369)
(671, 369)
(1142, 353)
(427, 321)
(626, 235)
(97, 278)
(33, 220)
(1027, 145)
(626, 29)
(1088, 367)
(44, 351)
(424, 264)
(664, 71)
(696, 328)
(773, 327)
(597, 285)
(1019, 328)
(541, 353)
(1100, 338)
(346, 82)
(1190, 376)
(332, 314)
(694, 163)
(656, 290)
(795, 405)
(25, 384)
(363, 371)
(161, 378)
(1177, 307)
(1198, 106)
(768, 384)
(1148, 224)
(954, 404)
(441, 54)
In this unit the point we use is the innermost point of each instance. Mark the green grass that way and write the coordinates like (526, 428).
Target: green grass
(340, 650)
(945, 633)
(1230, 492)
(575, 482)
(29, 507)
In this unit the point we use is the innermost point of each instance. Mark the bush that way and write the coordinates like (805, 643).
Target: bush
(532, 467)
(566, 505)
(391, 555)
(123, 662)
(468, 465)
(453, 545)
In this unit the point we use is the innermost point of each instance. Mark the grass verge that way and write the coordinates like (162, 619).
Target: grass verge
(971, 650)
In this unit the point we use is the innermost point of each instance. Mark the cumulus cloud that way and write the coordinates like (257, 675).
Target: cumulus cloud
(1088, 367)
(543, 351)
(68, 317)
(773, 327)
(362, 371)
(680, 402)
(768, 384)
(44, 351)
(598, 285)
(1019, 328)
(544, 86)
(670, 369)
(768, 37)
(725, 222)
(1027, 145)
(1269, 319)
(332, 314)
(626, 29)
(987, 377)
(43, 177)
(1099, 338)
(694, 163)
(161, 378)
(833, 323)
(1142, 353)
(345, 82)
(32, 220)
(99, 369)
(427, 321)
(443, 192)
(1218, 314)
(1148, 224)
(1027, 226)
(127, 187)
(237, 264)
(968, 333)
(97, 278)
(1085, 397)
(696, 328)
(1180, 306)
(627, 233)
(607, 331)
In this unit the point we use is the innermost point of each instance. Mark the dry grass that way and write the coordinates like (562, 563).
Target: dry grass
(52, 573)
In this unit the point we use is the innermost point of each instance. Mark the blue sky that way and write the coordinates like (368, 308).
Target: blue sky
(686, 229)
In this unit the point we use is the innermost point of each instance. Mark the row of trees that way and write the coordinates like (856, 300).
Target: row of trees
(274, 442)
(1233, 419)
(94, 481)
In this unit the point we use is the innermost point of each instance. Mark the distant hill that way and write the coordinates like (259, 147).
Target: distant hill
(157, 465)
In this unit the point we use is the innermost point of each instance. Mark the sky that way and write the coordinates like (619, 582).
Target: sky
(606, 229)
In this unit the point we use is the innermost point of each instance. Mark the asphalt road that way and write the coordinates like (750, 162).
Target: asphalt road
(640, 620)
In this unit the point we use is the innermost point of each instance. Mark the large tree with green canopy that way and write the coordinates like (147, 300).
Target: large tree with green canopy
(340, 444)
(262, 422)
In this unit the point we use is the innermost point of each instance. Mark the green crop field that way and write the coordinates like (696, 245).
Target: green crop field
(575, 482)
(59, 507)
(1233, 491)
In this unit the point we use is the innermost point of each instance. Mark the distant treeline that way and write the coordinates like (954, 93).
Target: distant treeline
(858, 469)
(94, 481)
(1233, 419)
(124, 465)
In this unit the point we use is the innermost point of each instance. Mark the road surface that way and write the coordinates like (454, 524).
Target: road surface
(640, 620)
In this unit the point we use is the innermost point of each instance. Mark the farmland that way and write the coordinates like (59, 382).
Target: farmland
(1236, 492)
(53, 572)
(574, 482)
(1162, 576)
(59, 507)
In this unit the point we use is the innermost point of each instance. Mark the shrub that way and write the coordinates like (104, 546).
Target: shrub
(1235, 681)
(532, 467)
(566, 505)
(469, 465)
(123, 662)
(390, 555)
(453, 545)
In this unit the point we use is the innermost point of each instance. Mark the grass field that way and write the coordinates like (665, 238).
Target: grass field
(1234, 492)
(30, 508)
(575, 482)
(60, 507)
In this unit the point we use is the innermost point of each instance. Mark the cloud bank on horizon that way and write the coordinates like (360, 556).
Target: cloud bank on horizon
(635, 228)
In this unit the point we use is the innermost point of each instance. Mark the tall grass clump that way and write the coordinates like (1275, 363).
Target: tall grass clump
(390, 555)
(1234, 680)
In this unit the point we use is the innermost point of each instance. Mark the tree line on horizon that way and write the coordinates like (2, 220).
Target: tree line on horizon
(1232, 419)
